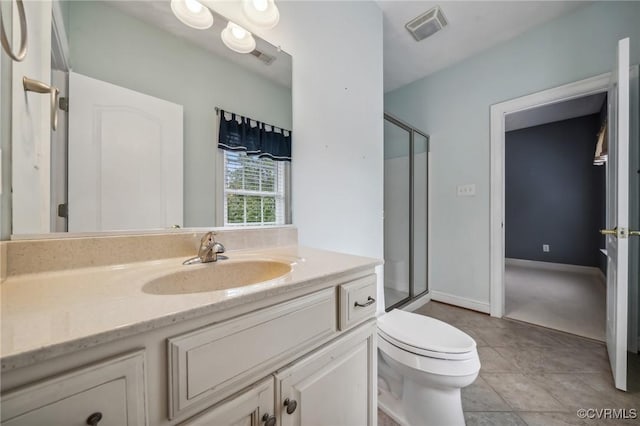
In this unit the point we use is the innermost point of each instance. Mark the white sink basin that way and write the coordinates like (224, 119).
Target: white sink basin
(220, 275)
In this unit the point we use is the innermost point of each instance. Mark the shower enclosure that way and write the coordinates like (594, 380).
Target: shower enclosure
(406, 166)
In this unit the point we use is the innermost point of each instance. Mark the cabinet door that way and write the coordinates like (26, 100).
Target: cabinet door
(252, 407)
(106, 402)
(335, 386)
(111, 392)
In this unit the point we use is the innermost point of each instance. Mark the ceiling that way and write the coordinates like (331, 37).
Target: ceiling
(473, 27)
(159, 14)
(559, 111)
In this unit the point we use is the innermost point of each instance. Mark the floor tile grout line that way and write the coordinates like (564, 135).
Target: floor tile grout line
(514, 409)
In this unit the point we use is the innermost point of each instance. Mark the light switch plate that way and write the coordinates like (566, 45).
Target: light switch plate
(546, 248)
(468, 190)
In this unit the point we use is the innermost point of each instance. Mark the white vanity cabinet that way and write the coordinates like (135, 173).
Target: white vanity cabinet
(307, 357)
(333, 386)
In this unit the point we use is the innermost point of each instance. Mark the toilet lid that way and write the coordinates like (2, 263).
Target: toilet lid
(424, 333)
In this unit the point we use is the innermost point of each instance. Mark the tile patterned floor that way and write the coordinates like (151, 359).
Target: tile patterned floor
(534, 376)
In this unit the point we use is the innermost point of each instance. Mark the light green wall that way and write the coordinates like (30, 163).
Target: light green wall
(111, 46)
(453, 107)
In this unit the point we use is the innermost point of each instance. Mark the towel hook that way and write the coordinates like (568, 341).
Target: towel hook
(22, 53)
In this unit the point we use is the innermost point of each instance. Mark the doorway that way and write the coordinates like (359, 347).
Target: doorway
(406, 171)
(624, 113)
(554, 209)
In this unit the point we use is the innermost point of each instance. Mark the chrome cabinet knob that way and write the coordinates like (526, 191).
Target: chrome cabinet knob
(291, 405)
(269, 420)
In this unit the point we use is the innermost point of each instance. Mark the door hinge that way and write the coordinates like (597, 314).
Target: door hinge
(63, 210)
(63, 103)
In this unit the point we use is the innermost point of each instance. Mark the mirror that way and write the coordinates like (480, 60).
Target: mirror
(140, 92)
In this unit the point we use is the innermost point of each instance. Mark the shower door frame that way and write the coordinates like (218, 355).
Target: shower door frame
(412, 131)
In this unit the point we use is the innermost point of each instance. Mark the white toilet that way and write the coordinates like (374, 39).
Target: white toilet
(422, 365)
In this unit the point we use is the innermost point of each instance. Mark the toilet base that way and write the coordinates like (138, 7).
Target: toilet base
(432, 406)
(435, 407)
(391, 406)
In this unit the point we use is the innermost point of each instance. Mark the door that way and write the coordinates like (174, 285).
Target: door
(406, 193)
(59, 141)
(397, 202)
(253, 407)
(335, 386)
(125, 158)
(31, 129)
(617, 242)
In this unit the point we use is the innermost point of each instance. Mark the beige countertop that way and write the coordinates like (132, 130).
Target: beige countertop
(49, 314)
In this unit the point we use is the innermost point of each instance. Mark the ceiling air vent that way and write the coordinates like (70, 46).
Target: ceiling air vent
(427, 24)
(267, 59)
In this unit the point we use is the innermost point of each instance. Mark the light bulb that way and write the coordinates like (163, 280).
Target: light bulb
(260, 5)
(261, 13)
(192, 13)
(238, 32)
(193, 5)
(238, 39)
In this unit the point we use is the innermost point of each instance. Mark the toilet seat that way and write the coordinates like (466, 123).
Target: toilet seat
(425, 336)
(425, 352)
(435, 366)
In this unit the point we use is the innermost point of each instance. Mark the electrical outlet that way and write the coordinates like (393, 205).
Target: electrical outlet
(545, 248)
(468, 190)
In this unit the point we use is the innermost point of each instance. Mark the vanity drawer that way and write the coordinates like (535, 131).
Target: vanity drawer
(113, 391)
(208, 364)
(357, 301)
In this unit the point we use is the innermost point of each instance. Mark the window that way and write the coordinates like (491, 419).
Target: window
(254, 190)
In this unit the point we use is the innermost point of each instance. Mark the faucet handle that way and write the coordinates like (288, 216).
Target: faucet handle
(208, 240)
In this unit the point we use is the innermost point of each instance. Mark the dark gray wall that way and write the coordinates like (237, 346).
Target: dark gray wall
(554, 193)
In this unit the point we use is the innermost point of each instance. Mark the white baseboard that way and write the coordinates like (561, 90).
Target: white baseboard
(463, 302)
(553, 266)
(417, 303)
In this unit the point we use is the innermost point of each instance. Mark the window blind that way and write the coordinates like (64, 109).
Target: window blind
(254, 190)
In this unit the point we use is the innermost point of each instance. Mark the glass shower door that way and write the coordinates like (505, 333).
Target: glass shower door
(406, 166)
(397, 142)
(420, 212)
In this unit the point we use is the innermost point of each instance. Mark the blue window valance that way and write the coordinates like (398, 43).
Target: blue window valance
(254, 137)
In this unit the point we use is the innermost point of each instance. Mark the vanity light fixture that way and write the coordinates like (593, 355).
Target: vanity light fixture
(192, 13)
(261, 13)
(238, 39)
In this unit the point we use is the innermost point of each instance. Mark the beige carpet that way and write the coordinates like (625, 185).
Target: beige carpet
(574, 302)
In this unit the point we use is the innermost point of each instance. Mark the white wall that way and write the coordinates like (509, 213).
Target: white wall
(453, 107)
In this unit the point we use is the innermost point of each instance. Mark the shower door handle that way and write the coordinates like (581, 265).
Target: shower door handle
(36, 86)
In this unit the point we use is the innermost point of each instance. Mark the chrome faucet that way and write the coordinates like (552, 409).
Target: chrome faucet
(208, 251)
